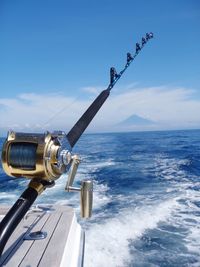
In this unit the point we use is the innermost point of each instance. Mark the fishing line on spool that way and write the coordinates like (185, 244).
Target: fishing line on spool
(23, 155)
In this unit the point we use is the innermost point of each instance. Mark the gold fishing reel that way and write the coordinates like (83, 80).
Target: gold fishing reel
(43, 158)
(32, 155)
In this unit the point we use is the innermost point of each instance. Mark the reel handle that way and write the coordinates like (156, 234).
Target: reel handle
(86, 198)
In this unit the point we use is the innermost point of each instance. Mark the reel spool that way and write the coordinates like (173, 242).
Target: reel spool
(32, 155)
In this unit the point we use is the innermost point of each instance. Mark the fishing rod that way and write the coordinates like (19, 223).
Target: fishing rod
(43, 158)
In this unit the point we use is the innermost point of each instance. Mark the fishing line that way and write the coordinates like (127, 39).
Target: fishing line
(67, 106)
(114, 76)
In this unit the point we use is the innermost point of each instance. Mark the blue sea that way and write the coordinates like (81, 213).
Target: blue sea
(146, 198)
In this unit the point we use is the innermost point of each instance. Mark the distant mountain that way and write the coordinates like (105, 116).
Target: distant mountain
(135, 120)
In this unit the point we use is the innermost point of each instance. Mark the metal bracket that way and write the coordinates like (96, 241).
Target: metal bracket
(38, 235)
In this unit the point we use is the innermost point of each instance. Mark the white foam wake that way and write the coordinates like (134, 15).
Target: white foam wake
(108, 244)
(169, 168)
(188, 202)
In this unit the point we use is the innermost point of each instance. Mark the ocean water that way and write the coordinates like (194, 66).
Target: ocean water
(146, 198)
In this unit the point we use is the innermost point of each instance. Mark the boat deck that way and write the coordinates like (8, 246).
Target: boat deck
(63, 234)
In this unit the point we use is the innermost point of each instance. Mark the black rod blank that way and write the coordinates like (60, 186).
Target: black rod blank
(15, 215)
(80, 126)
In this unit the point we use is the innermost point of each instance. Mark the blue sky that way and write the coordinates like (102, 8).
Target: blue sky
(55, 56)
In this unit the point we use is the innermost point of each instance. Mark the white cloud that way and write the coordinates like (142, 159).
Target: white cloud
(170, 108)
(167, 106)
(94, 90)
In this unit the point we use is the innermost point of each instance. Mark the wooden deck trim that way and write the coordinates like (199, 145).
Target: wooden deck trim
(20, 248)
(39, 246)
(58, 222)
(53, 257)
(18, 235)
